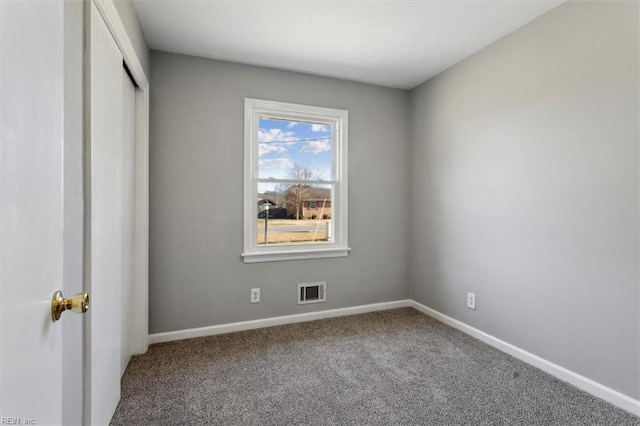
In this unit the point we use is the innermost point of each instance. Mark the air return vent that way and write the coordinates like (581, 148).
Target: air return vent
(312, 292)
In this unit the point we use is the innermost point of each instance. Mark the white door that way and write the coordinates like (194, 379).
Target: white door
(31, 210)
(34, 221)
(105, 217)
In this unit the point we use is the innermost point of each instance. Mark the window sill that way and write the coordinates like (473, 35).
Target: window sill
(277, 256)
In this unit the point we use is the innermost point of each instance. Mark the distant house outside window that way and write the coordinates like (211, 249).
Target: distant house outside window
(295, 179)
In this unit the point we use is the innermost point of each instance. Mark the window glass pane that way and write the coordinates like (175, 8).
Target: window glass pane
(294, 150)
(294, 213)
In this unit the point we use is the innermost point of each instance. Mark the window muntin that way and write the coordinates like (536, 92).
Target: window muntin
(295, 181)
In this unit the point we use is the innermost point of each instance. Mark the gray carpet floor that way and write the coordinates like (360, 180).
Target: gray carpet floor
(396, 367)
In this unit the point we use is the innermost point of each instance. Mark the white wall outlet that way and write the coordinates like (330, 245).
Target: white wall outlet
(255, 295)
(471, 301)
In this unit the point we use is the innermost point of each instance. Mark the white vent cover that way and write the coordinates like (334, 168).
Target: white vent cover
(312, 292)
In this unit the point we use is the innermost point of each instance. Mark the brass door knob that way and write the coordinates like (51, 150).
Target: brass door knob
(78, 304)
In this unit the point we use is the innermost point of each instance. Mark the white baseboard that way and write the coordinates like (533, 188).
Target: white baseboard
(612, 396)
(271, 322)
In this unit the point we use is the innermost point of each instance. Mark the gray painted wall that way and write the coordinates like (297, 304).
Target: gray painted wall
(197, 277)
(525, 184)
(134, 31)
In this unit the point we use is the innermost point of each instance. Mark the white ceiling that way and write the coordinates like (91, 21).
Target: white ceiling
(389, 43)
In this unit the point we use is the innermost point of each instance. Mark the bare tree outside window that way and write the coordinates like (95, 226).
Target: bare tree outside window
(296, 193)
(280, 195)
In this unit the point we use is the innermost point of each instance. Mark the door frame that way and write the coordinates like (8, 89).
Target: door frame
(140, 320)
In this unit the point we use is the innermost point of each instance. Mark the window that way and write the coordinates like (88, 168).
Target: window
(295, 182)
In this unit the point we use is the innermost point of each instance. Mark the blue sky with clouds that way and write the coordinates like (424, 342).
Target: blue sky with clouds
(281, 144)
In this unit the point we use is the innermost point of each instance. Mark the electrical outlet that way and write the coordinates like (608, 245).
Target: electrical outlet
(471, 301)
(255, 295)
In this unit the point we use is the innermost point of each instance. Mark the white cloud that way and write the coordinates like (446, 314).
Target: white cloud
(292, 124)
(279, 165)
(319, 128)
(274, 135)
(274, 140)
(316, 147)
(264, 148)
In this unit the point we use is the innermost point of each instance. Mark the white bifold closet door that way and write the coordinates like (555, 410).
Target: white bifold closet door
(110, 214)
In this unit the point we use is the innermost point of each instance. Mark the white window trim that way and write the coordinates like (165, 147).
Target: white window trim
(253, 253)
